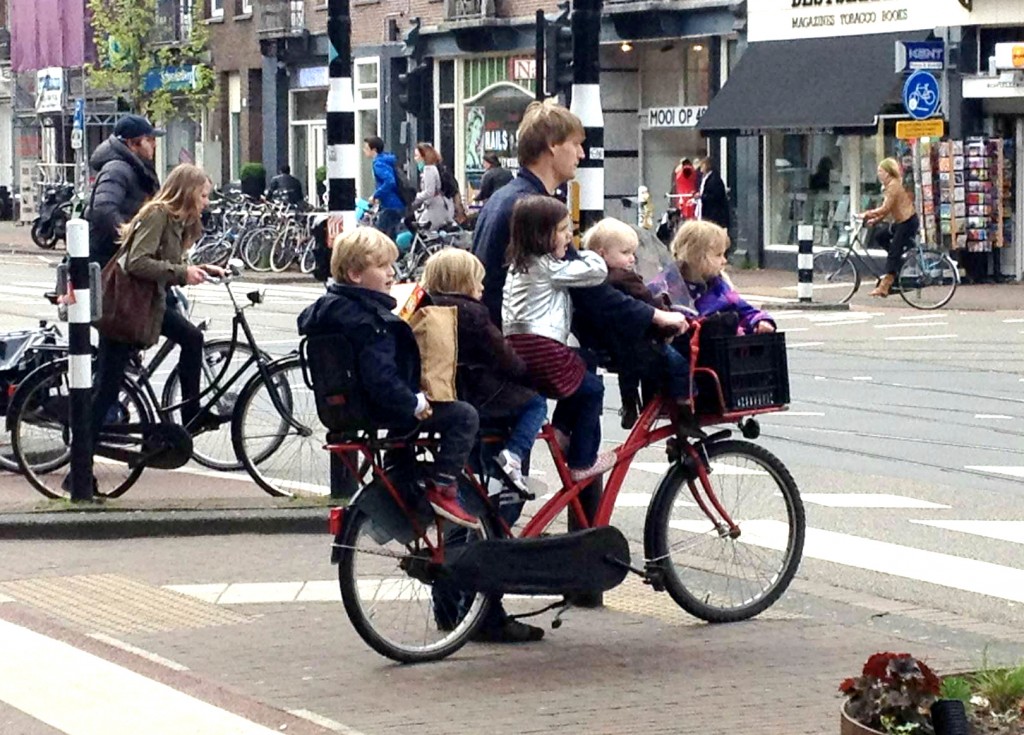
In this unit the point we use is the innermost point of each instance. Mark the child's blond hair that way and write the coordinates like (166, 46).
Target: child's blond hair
(693, 244)
(358, 249)
(452, 270)
(609, 233)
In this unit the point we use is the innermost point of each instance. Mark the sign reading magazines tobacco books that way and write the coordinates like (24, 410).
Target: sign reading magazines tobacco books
(778, 20)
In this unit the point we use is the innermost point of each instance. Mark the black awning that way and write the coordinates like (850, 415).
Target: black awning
(838, 84)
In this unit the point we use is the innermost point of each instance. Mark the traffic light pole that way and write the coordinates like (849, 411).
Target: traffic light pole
(342, 152)
(586, 105)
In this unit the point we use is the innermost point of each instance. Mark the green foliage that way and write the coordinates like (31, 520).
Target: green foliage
(956, 687)
(1003, 688)
(252, 170)
(321, 174)
(130, 42)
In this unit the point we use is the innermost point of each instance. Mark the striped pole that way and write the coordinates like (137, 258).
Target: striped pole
(586, 105)
(80, 360)
(805, 263)
(342, 153)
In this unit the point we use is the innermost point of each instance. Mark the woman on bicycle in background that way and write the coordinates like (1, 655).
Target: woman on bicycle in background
(899, 207)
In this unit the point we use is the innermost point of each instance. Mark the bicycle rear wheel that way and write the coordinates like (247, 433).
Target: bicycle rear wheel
(387, 591)
(307, 261)
(277, 434)
(41, 439)
(928, 279)
(255, 251)
(835, 277)
(711, 573)
(283, 253)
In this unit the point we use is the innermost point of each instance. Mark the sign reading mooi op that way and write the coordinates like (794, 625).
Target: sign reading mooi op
(777, 20)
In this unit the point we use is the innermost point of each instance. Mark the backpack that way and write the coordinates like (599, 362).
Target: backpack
(449, 185)
(406, 191)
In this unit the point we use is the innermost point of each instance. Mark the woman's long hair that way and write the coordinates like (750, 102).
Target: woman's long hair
(179, 197)
(534, 222)
(429, 154)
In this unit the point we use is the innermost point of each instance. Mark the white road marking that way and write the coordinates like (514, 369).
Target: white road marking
(246, 593)
(969, 575)
(791, 330)
(918, 317)
(324, 722)
(205, 592)
(910, 337)
(820, 377)
(720, 468)
(99, 697)
(1013, 321)
(794, 345)
(911, 325)
(863, 378)
(5, 598)
(997, 469)
(998, 416)
(141, 652)
(1012, 531)
(867, 500)
(782, 414)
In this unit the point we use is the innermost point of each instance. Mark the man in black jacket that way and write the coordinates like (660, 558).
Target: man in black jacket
(125, 179)
(286, 186)
(495, 176)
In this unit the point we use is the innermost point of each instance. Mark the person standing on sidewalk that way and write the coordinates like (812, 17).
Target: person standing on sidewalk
(898, 206)
(391, 208)
(125, 179)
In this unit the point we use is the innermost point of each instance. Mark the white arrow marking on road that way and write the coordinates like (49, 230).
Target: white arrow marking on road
(98, 696)
(909, 337)
(997, 469)
(970, 575)
(867, 500)
(1012, 531)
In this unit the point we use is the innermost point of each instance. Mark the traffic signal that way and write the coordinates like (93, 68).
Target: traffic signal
(410, 89)
(558, 53)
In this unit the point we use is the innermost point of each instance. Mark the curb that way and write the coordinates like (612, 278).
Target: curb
(105, 525)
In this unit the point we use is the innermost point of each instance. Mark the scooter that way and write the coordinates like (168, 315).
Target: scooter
(54, 213)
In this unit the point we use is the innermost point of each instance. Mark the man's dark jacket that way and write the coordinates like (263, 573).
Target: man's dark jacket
(287, 186)
(595, 308)
(493, 179)
(714, 201)
(387, 362)
(123, 184)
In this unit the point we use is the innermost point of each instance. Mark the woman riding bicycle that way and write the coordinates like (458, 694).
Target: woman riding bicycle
(899, 207)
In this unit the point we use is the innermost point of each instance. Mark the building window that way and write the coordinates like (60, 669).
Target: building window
(216, 8)
(367, 94)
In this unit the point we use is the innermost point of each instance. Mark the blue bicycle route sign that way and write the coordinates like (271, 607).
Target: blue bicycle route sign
(921, 95)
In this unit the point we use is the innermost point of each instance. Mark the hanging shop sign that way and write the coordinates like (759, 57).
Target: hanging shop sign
(50, 90)
(1010, 55)
(914, 129)
(173, 78)
(780, 20)
(672, 117)
(916, 55)
(522, 68)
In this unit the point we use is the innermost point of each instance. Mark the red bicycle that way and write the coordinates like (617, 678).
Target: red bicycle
(723, 534)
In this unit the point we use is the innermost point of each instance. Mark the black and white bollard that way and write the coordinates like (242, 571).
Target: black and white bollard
(805, 263)
(80, 360)
(586, 105)
(342, 152)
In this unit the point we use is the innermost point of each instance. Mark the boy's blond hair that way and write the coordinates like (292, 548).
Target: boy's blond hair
(609, 233)
(693, 244)
(358, 249)
(452, 271)
(544, 124)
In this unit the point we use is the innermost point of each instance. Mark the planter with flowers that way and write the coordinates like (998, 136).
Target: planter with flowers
(896, 694)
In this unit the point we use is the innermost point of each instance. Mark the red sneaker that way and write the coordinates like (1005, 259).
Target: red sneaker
(444, 500)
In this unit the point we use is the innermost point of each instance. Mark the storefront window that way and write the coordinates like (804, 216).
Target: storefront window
(367, 118)
(808, 184)
(492, 121)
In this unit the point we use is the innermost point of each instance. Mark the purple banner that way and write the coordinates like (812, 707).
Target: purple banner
(47, 33)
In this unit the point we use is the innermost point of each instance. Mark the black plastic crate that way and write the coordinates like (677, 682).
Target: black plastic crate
(751, 369)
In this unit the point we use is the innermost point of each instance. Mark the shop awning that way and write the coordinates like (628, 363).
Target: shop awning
(838, 84)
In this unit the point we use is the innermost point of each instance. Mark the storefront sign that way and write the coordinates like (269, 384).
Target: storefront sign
(776, 20)
(912, 129)
(50, 90)
(1010, 55)
(915, 55)
(1008, 85)
(172, 78)
(522, 69)
(672, 117)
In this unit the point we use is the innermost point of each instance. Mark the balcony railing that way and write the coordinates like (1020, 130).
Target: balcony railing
(468, 9)
(281, 17)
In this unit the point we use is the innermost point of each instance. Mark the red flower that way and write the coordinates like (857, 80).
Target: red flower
(878, 665)
(932, 683)
(848, 686)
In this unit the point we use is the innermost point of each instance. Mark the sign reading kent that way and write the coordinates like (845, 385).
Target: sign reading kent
(779, 20)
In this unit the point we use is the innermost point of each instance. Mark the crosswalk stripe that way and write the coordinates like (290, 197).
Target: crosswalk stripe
(997, 469)
(98, 696)
(1012, 531)
(918, 337)
(867, 500)
(969, 575)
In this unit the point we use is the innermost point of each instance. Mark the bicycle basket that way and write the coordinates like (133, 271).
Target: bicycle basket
(752, 371)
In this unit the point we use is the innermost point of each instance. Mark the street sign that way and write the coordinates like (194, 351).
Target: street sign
(79, 116)
(915, 55)
(913, 129)
(921, 95)
(672, 117)
(76, 138)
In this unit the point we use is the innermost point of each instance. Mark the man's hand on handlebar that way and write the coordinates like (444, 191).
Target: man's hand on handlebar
(671, 320)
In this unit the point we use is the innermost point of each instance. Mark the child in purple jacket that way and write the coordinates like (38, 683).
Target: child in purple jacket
(699, 249)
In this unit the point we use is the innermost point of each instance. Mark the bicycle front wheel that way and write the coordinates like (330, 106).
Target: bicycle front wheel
(928, 279)
(283, 252)
(255, 251)
(277, 435)
(389, 596)
(40, 436)
(307, 261)
(835, 277)
(713, 572)
(214, 449)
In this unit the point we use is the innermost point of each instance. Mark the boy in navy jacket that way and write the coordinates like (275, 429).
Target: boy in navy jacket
(359, 304)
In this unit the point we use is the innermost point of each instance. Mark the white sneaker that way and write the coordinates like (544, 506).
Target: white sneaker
(512, 468)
